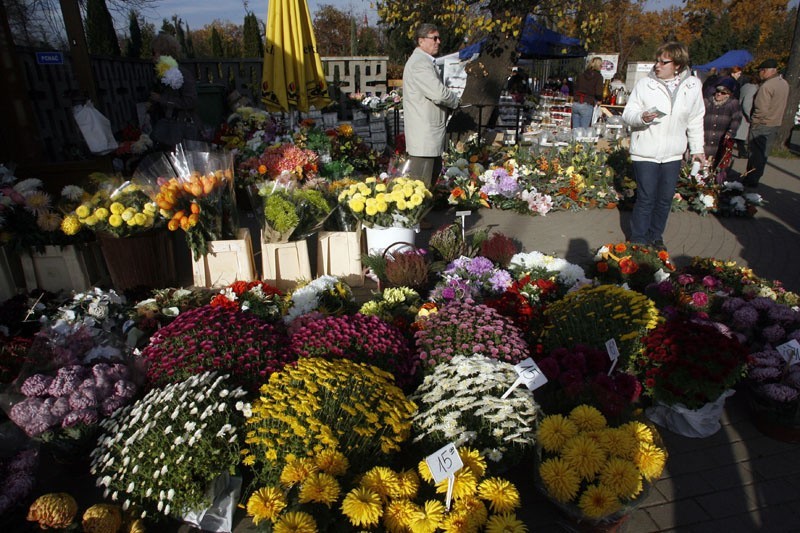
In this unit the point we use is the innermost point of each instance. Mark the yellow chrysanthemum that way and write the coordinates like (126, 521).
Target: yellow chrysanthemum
(83, 211)
(407, 484)
(140, 219)
(473, 509)
(38, 202)
(49, 221)
(402, 205)
(397, 515)
(597, 502)
(473, 459)
(382, 480)
(297, 471)
(70, 225)
(115, 221)
(457, 523)
(650, 459)
(425, 471)
(128, 214)
(584, 455)
(587, 418)
(101, 213)
(266, 504)
(91, 220)
(621, 477)
(555, 431)
(501, 494)
(319, 488)
(371, 210)
(380, 187)
(465, 484)
(356, 205)
(560, 479)
(296, 522)
(332, 461)
(362, 507)
(382, 207)
(505, 523)
(428, 518)
(116, 208)
(640, 431)
(618, 442)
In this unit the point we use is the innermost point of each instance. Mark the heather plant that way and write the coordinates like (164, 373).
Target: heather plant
(360, 338)
(499, 249)
(447, 243)
(407, 268)
(466, 328)
(213, 337)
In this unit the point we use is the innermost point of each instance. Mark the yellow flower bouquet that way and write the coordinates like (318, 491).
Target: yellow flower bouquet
(595, 471)
(384, 203)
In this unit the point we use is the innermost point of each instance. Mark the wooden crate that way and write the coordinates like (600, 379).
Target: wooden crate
(67, 268)
(339, 254)
(284, 263)
(227, 261)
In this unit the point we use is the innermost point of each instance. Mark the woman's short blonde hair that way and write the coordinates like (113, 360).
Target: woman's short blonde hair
(677, 52)
(596, 63)
(165, 44)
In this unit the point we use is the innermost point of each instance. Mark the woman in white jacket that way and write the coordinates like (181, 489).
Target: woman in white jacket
(665, 112)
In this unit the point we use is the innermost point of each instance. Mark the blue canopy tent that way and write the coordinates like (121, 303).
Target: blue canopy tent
(732, 58)
(536, 42)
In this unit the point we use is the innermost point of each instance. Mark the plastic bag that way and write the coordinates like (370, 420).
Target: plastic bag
(596, 114)
(96, 129)
(697, 423)
(224, 492)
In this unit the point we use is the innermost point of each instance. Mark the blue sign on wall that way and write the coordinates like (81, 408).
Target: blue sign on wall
(49, 58)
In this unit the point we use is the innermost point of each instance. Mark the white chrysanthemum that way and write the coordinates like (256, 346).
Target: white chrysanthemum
(27, 186)
(173, 78)
(72, 192)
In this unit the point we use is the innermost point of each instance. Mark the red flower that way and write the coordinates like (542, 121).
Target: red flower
(628, 266)
(602, 266)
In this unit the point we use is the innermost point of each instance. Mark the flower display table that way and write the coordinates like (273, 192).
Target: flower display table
(285, 262)
(339, 254)
(67, 268)
(227, 261)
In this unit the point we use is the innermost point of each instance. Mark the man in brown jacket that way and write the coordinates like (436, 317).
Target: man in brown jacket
(765, 119)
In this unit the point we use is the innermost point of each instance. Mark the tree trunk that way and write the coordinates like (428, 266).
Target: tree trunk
(792, 76)
(486, 78)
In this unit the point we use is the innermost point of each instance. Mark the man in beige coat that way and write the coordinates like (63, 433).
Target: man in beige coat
(425, 106)
(765, 119)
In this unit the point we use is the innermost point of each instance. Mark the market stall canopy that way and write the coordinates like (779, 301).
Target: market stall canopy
(538, 42)
(292, 77)
(732, 58)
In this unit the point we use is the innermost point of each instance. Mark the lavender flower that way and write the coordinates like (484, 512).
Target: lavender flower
(26, 415)
(766, 358)
(478, 266)
(779, 392)
(85, 397)
(36, 385)
(500, 281)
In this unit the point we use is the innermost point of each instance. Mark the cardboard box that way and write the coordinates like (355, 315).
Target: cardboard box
(339, 254)
(67, 268)
(283, 263)
(227, 261)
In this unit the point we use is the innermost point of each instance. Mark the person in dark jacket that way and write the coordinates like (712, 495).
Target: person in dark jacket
(588, 91)
(722, 119)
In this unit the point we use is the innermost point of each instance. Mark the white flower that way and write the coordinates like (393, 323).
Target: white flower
(170, 494)
(166, 509)
(660, 275)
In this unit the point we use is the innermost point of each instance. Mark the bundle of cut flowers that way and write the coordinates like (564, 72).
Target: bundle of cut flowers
(396, 305)
(761, 322)
(360, 338)
(168, 72)
(741, 281)
(17, 478)
(161, 453)
(353, 408)
(594, 315)
(291, 213)
(524, 303)
(466, 328)
(774, 386)
(311, 498)
(461, 402)
(689, 294)
(257, 297)
(537, 265)
(71, 402)
(241, 344)
(698, 193)
(688, 363)
(326, 295)
(248, 131)
(462, 185)
(383, 203)
(347, 146)
(118, 208)
(470, 278)
(594, 469)
(733, 201)
(97, 309)
(284, 161)
(580, 375)
(633, 264)
(161, 308)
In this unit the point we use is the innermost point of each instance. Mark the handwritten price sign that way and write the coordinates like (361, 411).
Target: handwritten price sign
(444, 462)
(790, 351)
(529, 373)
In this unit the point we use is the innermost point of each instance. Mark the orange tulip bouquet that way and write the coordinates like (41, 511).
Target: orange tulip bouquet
(193, 190)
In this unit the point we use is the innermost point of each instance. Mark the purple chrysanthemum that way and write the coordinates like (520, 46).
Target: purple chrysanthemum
(779, 392)
(36, 385)
(745, 317)
(732, 304)
(773, 334)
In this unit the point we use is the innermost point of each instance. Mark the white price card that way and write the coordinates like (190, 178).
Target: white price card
(463, 213)
(613, 353)
(529, 373)
(790, 351)
(444, 462)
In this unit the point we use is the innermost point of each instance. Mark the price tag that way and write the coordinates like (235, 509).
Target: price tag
(613, 353)
(790, 351)
(463, 215)
(444, 463)
(529, 373)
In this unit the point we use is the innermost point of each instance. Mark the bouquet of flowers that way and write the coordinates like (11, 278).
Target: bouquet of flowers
(635, 265)
(396, 305)
(194, 192)
(101, 311)
(168, 72)
(470, 278)
(741, 281)
(462, 185)
(774, 386)
(461, 401)
(257, 297)
(121, 209)
(156, 312)
(377, 202)
(688, 363)
(361, 338)
(326, 295)
(239, 343)
(353, 408)
(733, 201)
(291, 213)
(348, 147)
(594, 315)
(537, 265)
(699, 193)
(581, 375)
(690, 294)
(466, 328)
(188, 433)
(596, 471)
(285, 162)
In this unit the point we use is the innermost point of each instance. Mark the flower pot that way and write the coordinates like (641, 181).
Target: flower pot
(143, 260)
(777, 420)
(695, 423)
(396, 239)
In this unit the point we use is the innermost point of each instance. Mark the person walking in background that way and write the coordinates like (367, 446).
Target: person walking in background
(426, 101)
(746, 94)
(766, 116)
(665, 112)
(588, 92)
(721, 121)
